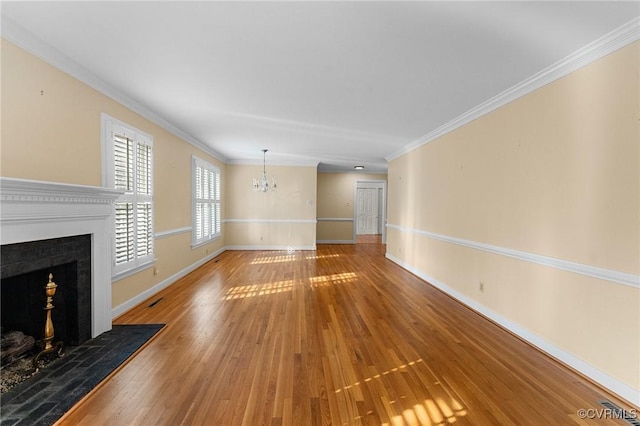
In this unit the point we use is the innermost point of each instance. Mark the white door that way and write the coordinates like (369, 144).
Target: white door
(367, 211)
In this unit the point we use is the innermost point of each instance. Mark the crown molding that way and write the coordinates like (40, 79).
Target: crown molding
(279, 163)
(349, 170)
(19, 36)
(609, 43)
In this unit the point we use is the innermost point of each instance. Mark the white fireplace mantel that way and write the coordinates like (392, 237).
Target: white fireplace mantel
(35, 210)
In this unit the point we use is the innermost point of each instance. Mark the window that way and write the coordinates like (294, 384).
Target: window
(206, 202)
(128, 166)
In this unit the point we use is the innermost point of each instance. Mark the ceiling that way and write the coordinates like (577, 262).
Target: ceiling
(334, 83)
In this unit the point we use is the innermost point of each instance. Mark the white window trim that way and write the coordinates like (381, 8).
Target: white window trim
(109, 125)
(195, 242)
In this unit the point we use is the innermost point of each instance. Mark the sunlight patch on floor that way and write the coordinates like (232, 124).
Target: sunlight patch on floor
(273, 259)
(429, 413)
(245, 291)
(321, 256)
(378, 376)
(241, 292)
(432, 411)
(327, 280)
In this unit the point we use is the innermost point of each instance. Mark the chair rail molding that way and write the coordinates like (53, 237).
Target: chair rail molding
(611, 275)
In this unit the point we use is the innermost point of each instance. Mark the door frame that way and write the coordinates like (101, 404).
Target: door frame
(371, 183)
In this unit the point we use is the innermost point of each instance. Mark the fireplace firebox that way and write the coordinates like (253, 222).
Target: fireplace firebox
(25, 271)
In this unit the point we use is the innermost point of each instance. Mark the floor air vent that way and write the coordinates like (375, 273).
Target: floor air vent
(159, 300)
(632, 417)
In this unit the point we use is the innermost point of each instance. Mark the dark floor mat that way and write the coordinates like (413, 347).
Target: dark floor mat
(44, 398)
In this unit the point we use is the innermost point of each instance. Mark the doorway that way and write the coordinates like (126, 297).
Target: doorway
(370, 211)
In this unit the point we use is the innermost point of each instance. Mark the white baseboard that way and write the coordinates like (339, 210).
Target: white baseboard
(277, 248)
(613, 385)
(134, 301)
(335, 242)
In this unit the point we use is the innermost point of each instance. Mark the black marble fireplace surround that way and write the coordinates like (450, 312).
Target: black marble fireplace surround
(25, 271)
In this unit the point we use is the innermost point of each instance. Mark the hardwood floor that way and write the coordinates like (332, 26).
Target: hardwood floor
(369, 239)
(334, 336)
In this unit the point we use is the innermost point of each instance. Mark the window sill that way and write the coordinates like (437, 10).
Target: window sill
(205, 242)
(132, 271)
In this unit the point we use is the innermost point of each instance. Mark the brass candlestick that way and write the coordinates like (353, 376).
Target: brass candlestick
(48, 347)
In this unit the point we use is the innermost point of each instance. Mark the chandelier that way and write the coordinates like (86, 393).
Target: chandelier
(262, 184)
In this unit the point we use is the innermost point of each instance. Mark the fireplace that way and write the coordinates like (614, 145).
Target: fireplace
(61, 217)
(25, 271)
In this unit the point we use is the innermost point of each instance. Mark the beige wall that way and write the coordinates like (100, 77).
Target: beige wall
(335, 201)
(51, 132)
(555, 173)
(275, 219)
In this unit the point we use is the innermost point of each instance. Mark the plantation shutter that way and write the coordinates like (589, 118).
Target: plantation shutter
(206, 202)
(216, 204)
(123, 151)
(199, 232)
(144, 224)
(132, 173)
(124, 233)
